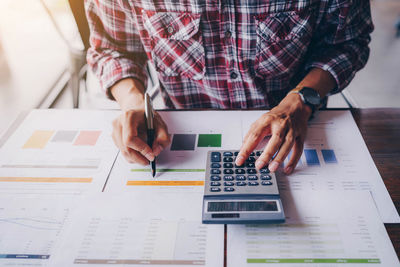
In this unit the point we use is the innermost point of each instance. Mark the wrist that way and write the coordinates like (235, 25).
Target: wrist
(129, 94)
(295, 105)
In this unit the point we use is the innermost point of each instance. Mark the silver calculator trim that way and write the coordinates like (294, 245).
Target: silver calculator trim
(241, 200)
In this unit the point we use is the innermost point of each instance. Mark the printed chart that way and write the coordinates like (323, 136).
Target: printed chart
(30, 228)
(145, 229)
(334, 231)
(180, 166)
(336, 159)
(58, 152)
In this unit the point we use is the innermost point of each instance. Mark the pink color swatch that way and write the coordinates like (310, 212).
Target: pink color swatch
(87, 138)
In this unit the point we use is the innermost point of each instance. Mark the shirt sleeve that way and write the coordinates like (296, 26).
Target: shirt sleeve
(341, 46)
(116, 51)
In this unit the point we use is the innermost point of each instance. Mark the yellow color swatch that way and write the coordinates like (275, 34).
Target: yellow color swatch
(166, 183)
(46, 179)
(38, 139)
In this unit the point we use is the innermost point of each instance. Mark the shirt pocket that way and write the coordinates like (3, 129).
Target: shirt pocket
(282, 41)
(176, 43)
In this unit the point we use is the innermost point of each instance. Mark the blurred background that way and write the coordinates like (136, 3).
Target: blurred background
(42, 60)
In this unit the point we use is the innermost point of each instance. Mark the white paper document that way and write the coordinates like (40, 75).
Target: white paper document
(30, 228)
(335, 158)
(321, 229)
(58, 152)
(180, 167)
(141, 230)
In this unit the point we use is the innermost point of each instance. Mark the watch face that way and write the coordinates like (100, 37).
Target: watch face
(311, 96)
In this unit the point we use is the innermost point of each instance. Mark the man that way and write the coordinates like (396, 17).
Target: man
(227, 54)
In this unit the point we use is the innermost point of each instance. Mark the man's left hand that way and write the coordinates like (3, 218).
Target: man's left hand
(287, 126)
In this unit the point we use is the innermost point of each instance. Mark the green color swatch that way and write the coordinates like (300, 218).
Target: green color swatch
(313, 261)
(209, 140)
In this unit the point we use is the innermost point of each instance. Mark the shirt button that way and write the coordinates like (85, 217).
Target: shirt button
(228, 34)
(234, 75)
(170, 29)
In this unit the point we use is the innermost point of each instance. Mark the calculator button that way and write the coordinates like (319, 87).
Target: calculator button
(240, 178)
(265, 177)
(215, 165)
(215, 171)
(252, 154)
(229, 189)
(241, 183)
(228, 159)
(228, 171)
(252, 177)
(253, 183)
(266, 183)
(236, 153)
(258, 153)
(229, 183)
(250, 165)
(240, 171)
(241, 166)
(228, 154)
(215, 178)
(215, 157)
(215, 189)
(264, 170)
(251, 171)
(251, 159)
(228, 178)
(215, 183)
(228, 165)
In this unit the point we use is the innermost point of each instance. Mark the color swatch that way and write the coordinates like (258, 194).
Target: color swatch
(38, 139)
(46, 179)
(165, 183)
(329, 156)
(87, 138)
(209, 140)
(182, 142)
(311, 157)
(64, 136)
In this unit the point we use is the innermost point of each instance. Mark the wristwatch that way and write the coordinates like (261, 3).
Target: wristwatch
(309, 96)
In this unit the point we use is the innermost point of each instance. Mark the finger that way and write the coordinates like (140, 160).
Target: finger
(272, 147)
(283, 152)
(133, 156)
(254, 136)
(296, 154)
(162, 137)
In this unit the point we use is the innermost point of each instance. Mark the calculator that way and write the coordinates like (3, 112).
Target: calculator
(239, 194)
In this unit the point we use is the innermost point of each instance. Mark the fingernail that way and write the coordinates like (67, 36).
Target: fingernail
(260, 164)
(239, 160)
(149, 156)
(273, 166)
(288, 169)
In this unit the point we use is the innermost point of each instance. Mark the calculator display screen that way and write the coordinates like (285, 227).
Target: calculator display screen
(242, 206)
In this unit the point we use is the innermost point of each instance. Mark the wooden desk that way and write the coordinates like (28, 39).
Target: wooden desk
(380, 129)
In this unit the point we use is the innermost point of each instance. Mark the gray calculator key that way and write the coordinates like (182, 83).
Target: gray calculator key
(264, 170)
(228, 165)
(228, 178)
(228, 159)
(215, 189)
(251, 159)
(240, 178)
(228, 154)
(252, 177)
(265, 177)
(215, 183)
(251, 171)
(229, 183)
(215, 157)
(229, 189)
(215, 165)
(266, 183)
(250, 165)
(253, 183)
(215, 171)
(215, 178)
(240, 171)
(241, 183)
(241, 166)
(228, 171)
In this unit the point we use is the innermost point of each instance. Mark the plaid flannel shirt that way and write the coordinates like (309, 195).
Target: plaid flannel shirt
(227, 54)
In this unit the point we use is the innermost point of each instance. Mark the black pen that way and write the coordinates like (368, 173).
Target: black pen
(148, 110)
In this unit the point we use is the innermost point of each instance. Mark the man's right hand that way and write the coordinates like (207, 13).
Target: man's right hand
(129, 129)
